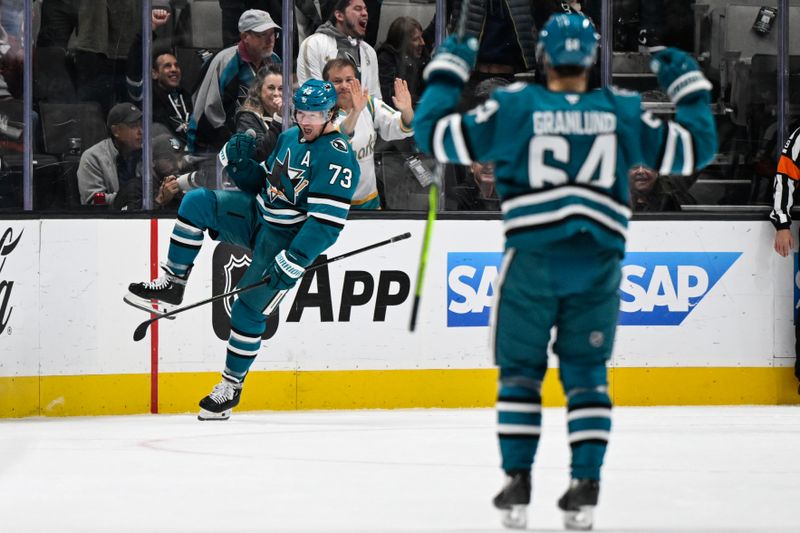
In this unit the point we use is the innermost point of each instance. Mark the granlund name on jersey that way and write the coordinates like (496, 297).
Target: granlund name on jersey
(562, 159)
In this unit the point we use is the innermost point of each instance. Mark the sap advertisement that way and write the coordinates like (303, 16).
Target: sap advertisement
(658, 288)
(693, 293)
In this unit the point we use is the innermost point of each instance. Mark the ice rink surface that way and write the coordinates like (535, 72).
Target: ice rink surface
(668, 469)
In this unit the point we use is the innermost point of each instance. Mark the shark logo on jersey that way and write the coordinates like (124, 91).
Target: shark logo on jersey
(663, 288)
(339, 144)
(285, 181)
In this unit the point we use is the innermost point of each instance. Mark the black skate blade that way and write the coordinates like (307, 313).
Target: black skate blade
(207, 416)
(146, 306)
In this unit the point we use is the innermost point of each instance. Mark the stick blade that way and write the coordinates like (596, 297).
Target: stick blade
(141, 330)
(413, 324)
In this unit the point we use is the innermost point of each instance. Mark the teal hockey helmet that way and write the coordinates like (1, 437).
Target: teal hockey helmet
(315, 95)
(568, 39)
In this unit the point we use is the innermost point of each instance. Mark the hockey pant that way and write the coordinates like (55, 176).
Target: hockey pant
(233, 217)
(577, 293)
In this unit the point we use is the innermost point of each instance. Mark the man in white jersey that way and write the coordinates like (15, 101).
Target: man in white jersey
(363, 117)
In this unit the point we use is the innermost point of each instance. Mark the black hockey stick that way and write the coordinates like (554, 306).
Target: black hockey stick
(433, 201)
(141, 329)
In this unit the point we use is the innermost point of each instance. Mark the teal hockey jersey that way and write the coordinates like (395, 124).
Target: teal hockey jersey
(309, 185)
(562, 159)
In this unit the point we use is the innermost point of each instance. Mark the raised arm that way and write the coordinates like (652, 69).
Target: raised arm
(689, 142)
(445, 75)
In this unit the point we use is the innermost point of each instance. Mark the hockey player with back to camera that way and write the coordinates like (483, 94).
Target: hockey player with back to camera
(562, 155)
(287, 211)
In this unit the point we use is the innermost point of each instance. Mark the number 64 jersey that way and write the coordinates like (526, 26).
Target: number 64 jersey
(309, 185)
(562, 159)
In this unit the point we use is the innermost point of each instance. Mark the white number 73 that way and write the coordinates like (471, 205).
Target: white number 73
(347, 175)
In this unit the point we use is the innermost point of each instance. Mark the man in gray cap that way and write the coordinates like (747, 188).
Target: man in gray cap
(227, 80)
(115, 162)
(233, 9)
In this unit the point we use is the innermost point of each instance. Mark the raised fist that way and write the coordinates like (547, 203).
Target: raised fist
(455, 59)
(678, 73)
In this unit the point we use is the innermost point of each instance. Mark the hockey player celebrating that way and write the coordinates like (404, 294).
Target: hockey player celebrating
(288, 211)
(562, 155)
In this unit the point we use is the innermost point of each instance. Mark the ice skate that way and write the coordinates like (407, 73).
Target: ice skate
(158, 296)
(578, 504)
(219, 404)
(513, 500)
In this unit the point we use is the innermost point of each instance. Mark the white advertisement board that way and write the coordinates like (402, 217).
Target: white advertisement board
(693, 294)
(20, 325)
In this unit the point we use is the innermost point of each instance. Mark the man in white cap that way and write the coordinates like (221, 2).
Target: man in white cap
(227, 80)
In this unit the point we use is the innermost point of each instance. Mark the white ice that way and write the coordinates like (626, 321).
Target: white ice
(667, 469)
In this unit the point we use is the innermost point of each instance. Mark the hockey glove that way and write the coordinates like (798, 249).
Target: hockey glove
(284, 271)
(236, 155)
(678, 74)
(453, 61)
(240, 147)
(248, 175)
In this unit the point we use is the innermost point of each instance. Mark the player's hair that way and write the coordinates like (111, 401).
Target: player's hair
(337, 63)
(399, 34)
(253, 100)
(568, 71)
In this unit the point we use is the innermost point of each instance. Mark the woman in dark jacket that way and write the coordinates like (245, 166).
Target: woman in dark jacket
(402, 56)
(261, 111)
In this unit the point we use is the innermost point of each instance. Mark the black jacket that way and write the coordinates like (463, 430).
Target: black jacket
(527, 16)
(171, 108)
(267, 132)
(392, 63)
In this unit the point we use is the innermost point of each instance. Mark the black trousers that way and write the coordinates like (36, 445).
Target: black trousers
(59, 20)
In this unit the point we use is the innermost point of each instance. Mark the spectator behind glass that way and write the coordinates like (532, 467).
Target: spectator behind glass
(403, 56)
(172, 104)
(306, 20)
(373, 23)
(341, 37)
(104, 36)
(59, 19)
(362, 117)
(229, 76)
(657, 194)
(231, 11)
(172, 174)
(261, 111)
(11, 55)
(109, 170)
(503, 49)
(474, 188)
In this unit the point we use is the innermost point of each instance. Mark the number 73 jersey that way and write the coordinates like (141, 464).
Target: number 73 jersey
(309, 185)
(562, 159)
